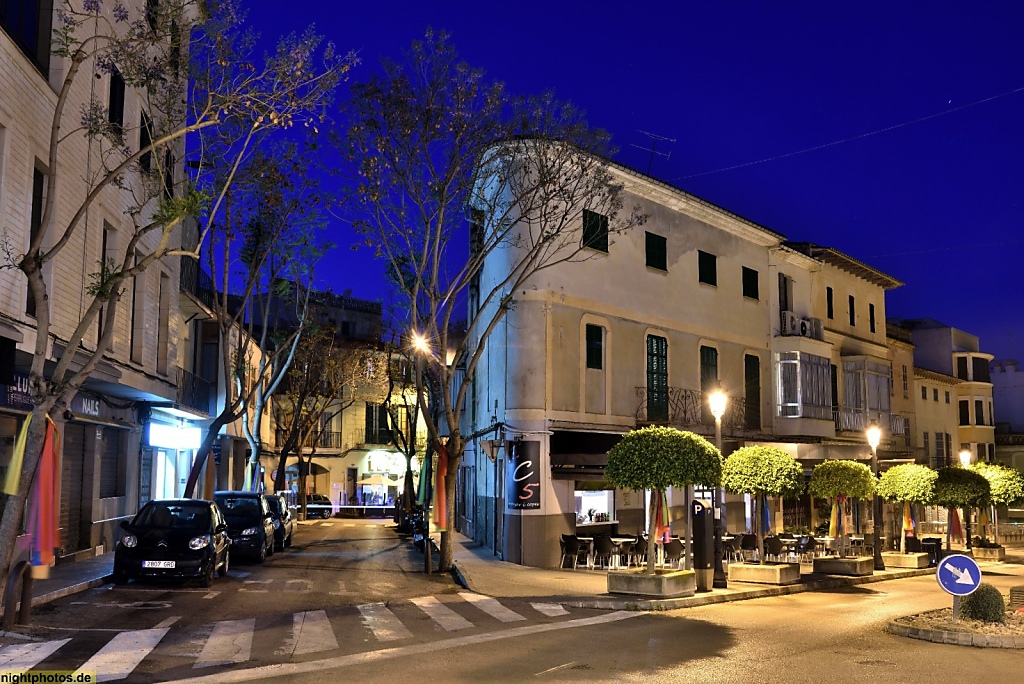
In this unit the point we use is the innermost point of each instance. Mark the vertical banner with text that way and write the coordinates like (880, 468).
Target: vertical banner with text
(523, 475)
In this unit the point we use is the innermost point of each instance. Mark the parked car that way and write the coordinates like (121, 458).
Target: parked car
(319, 506)
(284, 521)
(173, 538)
(250, 522)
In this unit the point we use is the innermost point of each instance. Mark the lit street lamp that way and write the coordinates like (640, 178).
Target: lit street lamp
(874, 435)
(965, 460)
(421, 349)
(717, 401)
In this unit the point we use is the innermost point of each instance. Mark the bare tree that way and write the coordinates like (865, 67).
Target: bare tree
(191, 64)
(430, 141)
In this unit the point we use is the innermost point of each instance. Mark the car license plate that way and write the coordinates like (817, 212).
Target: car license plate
(158, 564)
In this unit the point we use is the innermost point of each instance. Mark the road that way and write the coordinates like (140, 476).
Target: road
(348, 601)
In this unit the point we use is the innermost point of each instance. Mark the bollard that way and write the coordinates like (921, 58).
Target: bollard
(24, 570)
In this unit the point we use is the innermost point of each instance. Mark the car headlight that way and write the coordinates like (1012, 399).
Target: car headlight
(129, 541)
(197, 543)
(249, 530)
(277, 524)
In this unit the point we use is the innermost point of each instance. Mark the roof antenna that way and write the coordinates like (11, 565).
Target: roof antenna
(655, 139)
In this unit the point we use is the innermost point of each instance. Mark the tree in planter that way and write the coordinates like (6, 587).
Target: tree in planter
(762, 471)
(839, 481)
(907, 483)
(958, 487)
(657, 458)
(430, 140)
(1006, 487)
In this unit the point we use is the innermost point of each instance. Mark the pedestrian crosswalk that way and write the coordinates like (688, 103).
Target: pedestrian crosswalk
(230, 642)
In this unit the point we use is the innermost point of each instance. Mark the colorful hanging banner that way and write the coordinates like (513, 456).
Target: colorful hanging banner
(956, 530)
(17, 459)
(908, 519)
(662, 522)
(46, 508)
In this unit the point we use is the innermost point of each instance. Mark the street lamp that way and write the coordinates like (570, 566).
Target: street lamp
(874, 435)
(422, 348)
(965, 460)
(716, 402)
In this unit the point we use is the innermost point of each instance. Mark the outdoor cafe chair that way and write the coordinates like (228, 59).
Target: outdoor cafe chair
(806, 548)
(604, 549)
(673, 552)
(774, 548)
(730, 550)
(748, 546)
(572, 548)
(638, 552)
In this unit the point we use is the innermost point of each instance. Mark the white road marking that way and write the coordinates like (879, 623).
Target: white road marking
(308, 584)
(385, 625)
(313, 633)
(168, 622)
(556, 667)
(447, 618)
(211, 594)
(249, 674)
(256, 591)
(550, 609)
(341, 590)
(491, 607)
(326, 524)
(349, 525)
(20, 657)
(230, 642)
(122, 654)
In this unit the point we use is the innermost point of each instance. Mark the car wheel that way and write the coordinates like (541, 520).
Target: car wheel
(271, 546)
(208, 573)
(327, 514)
(227, 562)
(262, 556)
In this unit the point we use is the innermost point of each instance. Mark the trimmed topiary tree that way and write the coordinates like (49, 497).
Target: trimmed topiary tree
(1006, 487)
(762, 471)
(984, 603)
(907, 483)
(657, 458)
(958, 487)
(838, 481)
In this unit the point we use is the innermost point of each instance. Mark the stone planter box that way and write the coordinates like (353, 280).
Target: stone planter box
(998, 554)
(855, 566)
(772, 573)
(662, 584)
(906, 560)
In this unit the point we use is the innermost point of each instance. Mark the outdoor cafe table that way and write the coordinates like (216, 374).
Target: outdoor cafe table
(615, 560)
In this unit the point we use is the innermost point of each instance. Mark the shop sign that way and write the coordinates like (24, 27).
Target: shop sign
(523, 475)
(16, 396)
(85, 405)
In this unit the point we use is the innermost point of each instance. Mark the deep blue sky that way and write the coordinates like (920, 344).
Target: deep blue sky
(913, 113)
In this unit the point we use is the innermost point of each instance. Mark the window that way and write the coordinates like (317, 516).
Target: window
(965, 412)
(152, 13)
(980, 368)
(866, 385)
(906, 383)
(657, 378)
(991, 452)
(750, 283)
(853, 311)
(805, 385)
(168, 174)
(924, 392)
(752, 391)
(979, 412)
(707, 268)
(961, 367)
(28, 23)
(785, 296)
(138, 321)
(949, 449)
(35, 225)
(595, 231)
(871, 317)
(377, 430)
(115, 103)
(106, 264)
(145, 140)
(595, 347)
(164, 327)
(657, 252)
(935, 394)
(991, 415)
(940, 454)
(708, 372)
(927, 447)
(947, 397)
(829, 306)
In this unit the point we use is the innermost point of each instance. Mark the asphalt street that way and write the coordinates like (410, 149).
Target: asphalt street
(349, 601)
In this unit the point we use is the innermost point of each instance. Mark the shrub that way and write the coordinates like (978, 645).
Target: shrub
(985, 604)
(983, 543)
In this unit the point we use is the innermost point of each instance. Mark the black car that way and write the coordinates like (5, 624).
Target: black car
(250, 522)
(319, 506)
(284, 521)
(173, 538)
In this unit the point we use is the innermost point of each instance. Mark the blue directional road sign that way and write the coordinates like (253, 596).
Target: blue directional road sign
(958, 575)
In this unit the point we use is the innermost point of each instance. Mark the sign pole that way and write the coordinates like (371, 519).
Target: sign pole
(956, 609)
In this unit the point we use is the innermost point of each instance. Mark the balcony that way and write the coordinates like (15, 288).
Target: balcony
(194, 392)
(349, 439)
(322, 440)
(196, 281)
(687, 407)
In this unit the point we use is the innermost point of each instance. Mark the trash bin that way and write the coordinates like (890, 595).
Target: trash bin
(933, 547)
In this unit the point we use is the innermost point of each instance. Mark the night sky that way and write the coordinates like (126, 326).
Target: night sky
(893, 132)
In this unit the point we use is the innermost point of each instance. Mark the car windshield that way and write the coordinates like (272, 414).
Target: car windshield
(275, 504)
(190, 516)
(239, 506)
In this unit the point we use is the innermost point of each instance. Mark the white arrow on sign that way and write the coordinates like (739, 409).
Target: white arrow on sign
(962, 576)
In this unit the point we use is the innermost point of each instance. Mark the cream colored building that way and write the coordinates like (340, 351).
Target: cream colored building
(695, 299)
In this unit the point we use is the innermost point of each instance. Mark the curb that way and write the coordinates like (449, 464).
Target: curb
(946, 636)
(68, 591)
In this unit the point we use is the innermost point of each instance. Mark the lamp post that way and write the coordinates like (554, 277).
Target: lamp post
(421, 348)
(965, 460)
(874, 435)
(717, 401)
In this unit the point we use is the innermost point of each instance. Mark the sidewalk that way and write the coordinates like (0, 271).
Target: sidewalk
(480, 572)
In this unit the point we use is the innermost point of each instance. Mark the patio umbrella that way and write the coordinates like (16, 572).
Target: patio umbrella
(377, 481)
(956, 531)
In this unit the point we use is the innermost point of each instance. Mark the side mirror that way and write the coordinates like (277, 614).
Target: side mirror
(124, 525)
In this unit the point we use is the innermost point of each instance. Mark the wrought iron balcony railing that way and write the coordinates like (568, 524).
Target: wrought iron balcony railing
(194, 392)
(688, 407)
